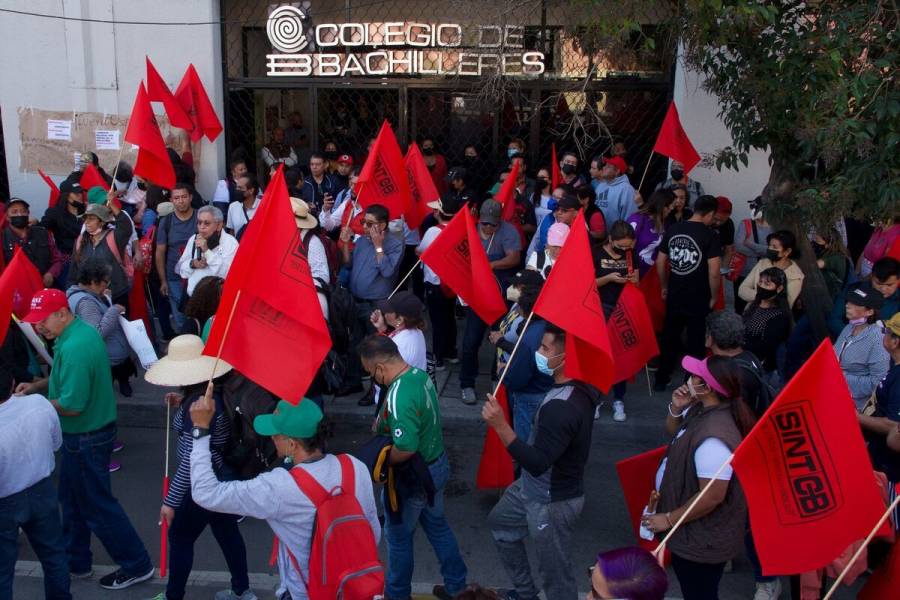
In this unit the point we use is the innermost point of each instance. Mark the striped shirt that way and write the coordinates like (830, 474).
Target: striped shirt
(863, 359)
(219, 433)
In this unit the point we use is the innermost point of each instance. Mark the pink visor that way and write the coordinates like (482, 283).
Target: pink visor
(698, 367)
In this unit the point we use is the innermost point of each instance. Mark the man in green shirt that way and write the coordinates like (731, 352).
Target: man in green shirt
(411, 416)
(80, 388)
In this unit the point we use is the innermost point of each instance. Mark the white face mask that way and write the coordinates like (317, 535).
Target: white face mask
(513, 294)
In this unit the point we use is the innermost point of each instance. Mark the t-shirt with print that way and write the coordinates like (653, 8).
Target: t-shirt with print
(689, 246)
(605, 264)
(174, 234)
(505, 239)
(411, 415)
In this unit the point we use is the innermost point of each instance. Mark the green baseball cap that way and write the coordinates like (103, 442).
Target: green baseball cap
(300, 421)
(96, 195)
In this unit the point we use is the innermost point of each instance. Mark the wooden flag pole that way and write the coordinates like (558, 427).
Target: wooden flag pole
(660, 550)
(649, 386)
(513, 353)
(237, 298)
(647, 168)
(862, 547)
(164, 531)
(405, 277)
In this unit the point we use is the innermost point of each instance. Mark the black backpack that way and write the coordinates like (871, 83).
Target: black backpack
(766, 394)
(246, 452)
(341, 318)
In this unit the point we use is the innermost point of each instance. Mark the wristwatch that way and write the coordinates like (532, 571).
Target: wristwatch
(199, 432)
(379, 250)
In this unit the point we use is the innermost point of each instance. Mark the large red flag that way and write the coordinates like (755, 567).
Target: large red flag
(570, 301)
(421, 187)
(383, 178)
(153, 163)
(158, 91)
(631, 334)
(673, 142)
(651, 288)
(137, 300)
(192, 97)
(18, 283)
(91, 178)
(459, 259)
(805, 472)
(506, 195)
(277, 318)
(637, 476)
(894, 250)
(495, 469)
(885, 581)
(555, 175)
(54, 191)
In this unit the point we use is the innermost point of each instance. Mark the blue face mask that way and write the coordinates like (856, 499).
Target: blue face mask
(511, 152)
(543, 364)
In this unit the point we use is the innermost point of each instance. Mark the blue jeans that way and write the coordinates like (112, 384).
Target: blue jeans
(88, 505)
(525, 406)
(177, 292)
(399, 536)
(36, 511)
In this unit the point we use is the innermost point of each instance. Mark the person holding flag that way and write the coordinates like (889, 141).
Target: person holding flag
(678, 176)
(707, 420)
(35, 241)
(547, 498)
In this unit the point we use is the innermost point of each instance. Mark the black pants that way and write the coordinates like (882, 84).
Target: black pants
(676, 323)
(416, 281)
(698, 581)
(188, 523)
(442, 311)
(123, 371)
(362, 327)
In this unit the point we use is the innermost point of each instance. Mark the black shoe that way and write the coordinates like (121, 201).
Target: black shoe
(125, 388)
(119, 580)
(440, 593)
(352, 388)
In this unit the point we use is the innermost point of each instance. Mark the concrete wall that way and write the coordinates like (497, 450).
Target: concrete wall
(68, 65)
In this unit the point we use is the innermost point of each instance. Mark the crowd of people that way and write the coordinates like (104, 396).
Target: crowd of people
(90, 246)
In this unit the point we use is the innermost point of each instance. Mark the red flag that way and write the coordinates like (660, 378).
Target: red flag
(54, 191)
(192, 97)
(894, 251)
(631, 334)
(277, 318)
(651, 288)
(885, 581)
(805, 472)
(137, 300)
(637, 476)
(18, 283)
(421, 188)
(459, 259)
(158, 91)
(506, 195)
(164, 534)
(570, 301)
(153, 161)
(555, 175)
(383, 178)
(495, 469)
(673, 142)
(91, 178)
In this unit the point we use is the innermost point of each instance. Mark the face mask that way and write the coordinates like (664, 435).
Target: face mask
(543, 364)
(765, 294)
(78, 206)
(772, 255)
(619, 250)
(141, 185)
(213, 240)
(513, 294)
(858, 321)
(677, 174)
(512, 152)
(692, 390)
(569, 169)
(19, 221)
(819, 249)
(470, 159)
(382, 383)
(427, 151)
(331, 155)
(542, 183)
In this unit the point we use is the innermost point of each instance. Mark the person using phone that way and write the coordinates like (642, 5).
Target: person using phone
(209, 251)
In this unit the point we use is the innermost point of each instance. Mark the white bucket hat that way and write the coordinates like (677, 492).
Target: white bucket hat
(302, 217)
(184, 364)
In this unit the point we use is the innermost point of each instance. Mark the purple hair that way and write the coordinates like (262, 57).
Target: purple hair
(633, 573)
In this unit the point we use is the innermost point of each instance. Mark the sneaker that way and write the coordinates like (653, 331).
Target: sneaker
(82, 575)
(114, 466)
(597, 414)
(119, 580)
(241, 518)
(619, 411)
(452, 361)
(159, 596)
(768, 590)
(231, 595)
(468, 396)
(117, 446)
(125, 388)
(437, 591)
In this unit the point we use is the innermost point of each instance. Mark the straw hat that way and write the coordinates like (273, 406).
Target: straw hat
(184, 364)
(301, 214)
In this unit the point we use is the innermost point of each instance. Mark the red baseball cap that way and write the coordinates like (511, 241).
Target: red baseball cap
(724, 206)
(345, 159)
(44, 303)
(618, 162)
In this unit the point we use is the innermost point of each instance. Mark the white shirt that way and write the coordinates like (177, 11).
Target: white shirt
(532, 264)
(411, 344)
(430, 235)
(709, 456)
(334, 219)
(29, 435)
(237, 215)
(275, 497)
(218, 261)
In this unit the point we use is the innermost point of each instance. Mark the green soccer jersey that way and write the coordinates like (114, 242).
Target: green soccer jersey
(411, 415)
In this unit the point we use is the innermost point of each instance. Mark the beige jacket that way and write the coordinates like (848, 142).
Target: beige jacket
(747, 291)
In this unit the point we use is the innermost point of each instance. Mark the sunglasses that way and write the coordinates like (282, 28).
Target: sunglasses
(483, 224)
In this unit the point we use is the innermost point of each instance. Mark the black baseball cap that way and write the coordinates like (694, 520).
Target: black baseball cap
(456, 173)
(448, 204)
(15, 200)
(568, 202)
(405, 304)
(69, 187)
(866, 296)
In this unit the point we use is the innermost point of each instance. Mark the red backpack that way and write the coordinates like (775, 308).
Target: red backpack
(343, 562)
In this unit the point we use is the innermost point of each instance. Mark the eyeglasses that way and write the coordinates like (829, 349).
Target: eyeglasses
(368, 224)
(483, 224)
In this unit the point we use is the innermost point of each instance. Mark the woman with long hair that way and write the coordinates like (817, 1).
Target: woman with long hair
(767, 320)
(649, 223)
(781, 253)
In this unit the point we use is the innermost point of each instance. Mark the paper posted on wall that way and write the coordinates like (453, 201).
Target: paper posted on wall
(139, 341)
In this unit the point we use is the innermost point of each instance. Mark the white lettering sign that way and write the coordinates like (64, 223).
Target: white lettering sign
(106, 139)
(59, 130)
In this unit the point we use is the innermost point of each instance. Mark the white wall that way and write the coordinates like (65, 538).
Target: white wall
(698, 111)
(56, 64)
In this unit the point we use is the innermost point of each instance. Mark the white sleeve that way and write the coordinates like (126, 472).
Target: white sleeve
(318, 260)
(709, 457)
(429, 237)
(332, 220)
(232, 216)
(221, 194)
(532, 262)
(55, 428)
(183, 266)
(366, 497)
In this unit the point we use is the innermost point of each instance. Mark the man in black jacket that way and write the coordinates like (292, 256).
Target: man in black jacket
(545, 501)
(62, 219)
(35, 241)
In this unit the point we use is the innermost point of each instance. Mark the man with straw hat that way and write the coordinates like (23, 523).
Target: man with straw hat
(185, 366)
(80, 388)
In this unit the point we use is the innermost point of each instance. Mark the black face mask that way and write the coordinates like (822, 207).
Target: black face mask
(213, 240)
(541, 183)
(569, 169)
(772, 255)
(677, 174)
(470, 159)
(765, 294)
(141, 185)
(428, 151)
(19, 221)
(819, 249)
(78, 206)
(331, 155)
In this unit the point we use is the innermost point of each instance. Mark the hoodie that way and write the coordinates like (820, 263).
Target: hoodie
(616, 199)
